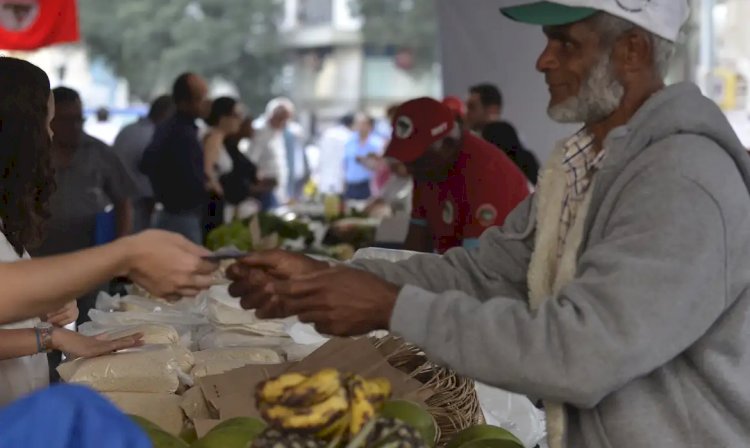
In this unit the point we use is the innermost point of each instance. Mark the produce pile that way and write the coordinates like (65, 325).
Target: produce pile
(239, 233)
(330, 409)
(266, 231)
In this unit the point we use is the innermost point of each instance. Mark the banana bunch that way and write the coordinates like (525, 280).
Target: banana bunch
(327, 404)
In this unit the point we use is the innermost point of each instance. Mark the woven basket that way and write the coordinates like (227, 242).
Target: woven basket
(454, 403)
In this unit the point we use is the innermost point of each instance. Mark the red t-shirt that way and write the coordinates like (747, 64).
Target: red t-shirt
(483, 187)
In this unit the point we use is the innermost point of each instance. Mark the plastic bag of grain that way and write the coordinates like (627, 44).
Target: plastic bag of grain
(217, 361)
(225, 313)
(148, 369)
(226, 339)
(159, 334)
(162, 409)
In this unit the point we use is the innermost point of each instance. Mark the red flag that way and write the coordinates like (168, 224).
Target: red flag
(32, 24)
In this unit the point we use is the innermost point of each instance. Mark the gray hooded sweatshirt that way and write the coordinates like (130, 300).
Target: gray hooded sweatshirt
(649, 345)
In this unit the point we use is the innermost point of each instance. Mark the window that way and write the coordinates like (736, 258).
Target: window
(315, 12)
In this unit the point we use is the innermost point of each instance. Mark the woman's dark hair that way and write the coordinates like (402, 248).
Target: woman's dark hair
(221, 107)
(26, 176)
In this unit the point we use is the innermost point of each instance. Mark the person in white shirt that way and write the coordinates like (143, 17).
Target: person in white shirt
(329, 175)
(36, 295)
(267, 152)
(278, 152)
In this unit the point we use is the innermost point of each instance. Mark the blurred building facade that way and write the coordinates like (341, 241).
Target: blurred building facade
(331, 71)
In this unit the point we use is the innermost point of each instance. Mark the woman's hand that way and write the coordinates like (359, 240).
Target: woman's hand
(62, 317)
(167, 265)
(80, 346)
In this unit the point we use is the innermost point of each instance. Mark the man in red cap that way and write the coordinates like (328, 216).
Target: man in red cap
(462, 184)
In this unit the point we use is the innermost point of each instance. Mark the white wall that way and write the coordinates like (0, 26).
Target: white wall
(478, 45)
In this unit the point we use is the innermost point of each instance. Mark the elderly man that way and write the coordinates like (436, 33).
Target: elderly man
(279, 154)
(620, 294)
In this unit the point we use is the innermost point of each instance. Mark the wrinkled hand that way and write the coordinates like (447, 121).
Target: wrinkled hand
(339, 301)
(80, 346)
(62, 317)
(252, 275)
(168, 265)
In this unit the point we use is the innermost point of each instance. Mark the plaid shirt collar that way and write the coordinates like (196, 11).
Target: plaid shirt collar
(579, 162)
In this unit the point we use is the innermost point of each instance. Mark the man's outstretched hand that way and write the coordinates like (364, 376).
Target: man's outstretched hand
(252, 276)
(339, 301)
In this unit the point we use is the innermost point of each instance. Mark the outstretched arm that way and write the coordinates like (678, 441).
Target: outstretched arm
(165, 264)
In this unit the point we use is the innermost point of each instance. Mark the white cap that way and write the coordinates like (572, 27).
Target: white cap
(663, 18)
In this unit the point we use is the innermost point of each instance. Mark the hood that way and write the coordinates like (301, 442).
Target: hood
(681, 109)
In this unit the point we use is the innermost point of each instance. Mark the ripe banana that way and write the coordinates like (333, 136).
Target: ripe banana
(272, 390)
(310, 418)
(377, 390)
(315, 389)
(360, 408)
(337, 429)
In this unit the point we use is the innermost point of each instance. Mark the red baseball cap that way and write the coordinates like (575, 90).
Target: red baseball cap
(418, 124)
(455, 104)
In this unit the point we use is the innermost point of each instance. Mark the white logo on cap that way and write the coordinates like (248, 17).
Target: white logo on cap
(633, 5)
(437, 130)
(404, 127)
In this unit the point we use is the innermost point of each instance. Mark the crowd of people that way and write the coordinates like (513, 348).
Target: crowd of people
(193, 163)
(611, 285)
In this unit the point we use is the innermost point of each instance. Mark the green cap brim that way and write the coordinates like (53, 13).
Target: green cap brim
(547, 13)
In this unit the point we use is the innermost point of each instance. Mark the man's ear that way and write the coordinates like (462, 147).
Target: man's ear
(633, 53)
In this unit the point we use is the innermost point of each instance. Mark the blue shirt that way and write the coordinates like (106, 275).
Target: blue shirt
(174, 164)
(68, 416)
(355, 172)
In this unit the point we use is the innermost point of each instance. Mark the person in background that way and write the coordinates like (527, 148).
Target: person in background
(279, 153)
(363, 145)
(462, 184)
(101, 126)
(174, 161)
(503, 135)
(224, 120)
(330, 173)
(268, 152)
(241, 185)
(89, 178)
(484, 105)
(484, 109)
(26, 181)
(129, 146)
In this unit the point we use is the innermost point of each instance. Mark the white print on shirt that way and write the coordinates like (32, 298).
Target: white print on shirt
(449, 212)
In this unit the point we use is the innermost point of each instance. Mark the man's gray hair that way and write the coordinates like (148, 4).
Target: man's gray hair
(611, 28)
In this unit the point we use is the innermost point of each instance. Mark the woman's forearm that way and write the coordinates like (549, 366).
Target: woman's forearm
(18, 343)
(36, 287)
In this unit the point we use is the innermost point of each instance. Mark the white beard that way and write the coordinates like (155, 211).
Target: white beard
(599, 97)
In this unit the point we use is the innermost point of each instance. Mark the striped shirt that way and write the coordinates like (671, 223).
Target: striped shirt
(580, 162)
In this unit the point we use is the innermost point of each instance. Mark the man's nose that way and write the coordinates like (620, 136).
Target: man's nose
(547, 61)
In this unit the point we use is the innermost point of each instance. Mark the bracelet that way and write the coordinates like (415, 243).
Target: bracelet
(46, 336)
(39, 348)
